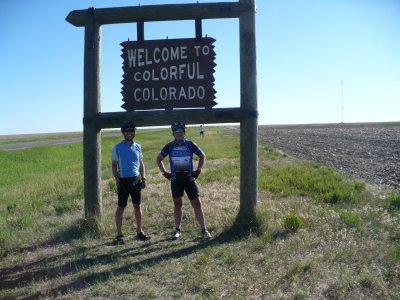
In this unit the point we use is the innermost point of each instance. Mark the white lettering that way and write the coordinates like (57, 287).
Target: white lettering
(201, 92)
(199, 76)
(153, 76)
(164, 93)
(183, 52)
(197, 50)
(164, 54)
(135, 95)
(173, 73)
(205, 50)
(192, 93)
(164, 73)
(140, 57)
(156, 53)
(153, 95)
(172, 93)
(175, 53)
(169, 93)
(181, 70)
(191, 71)
(182, 93)
(137, 76)
(132, 58)
(146, 94)
(146, 75)
(148, 62)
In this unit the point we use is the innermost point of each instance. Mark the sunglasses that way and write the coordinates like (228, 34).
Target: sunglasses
(129, 130)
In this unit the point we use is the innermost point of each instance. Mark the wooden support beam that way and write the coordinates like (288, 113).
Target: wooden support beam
(199, 30)
(163, 117)
(248, 127)
(140, 32)
(169, 12)
(91, 106)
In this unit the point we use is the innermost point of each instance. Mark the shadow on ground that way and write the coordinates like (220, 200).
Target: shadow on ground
(55, 267)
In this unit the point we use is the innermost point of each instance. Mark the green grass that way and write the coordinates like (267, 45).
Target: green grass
(304, 179)
(391, 124)
(393, 202)
(317, 234)
(291, 222)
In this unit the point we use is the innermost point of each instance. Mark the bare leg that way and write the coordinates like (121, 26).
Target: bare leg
(178, 211)
(198, 211)
(138, 216)
(118, 219)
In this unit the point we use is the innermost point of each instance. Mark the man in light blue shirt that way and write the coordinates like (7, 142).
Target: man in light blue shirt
(129, 173)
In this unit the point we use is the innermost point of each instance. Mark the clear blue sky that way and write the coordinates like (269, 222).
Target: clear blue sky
(304, 50)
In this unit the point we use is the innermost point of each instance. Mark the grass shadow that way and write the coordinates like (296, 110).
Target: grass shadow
(82, 227)
(240, 229)
(17, 275)
(244, 225)
(58, 266)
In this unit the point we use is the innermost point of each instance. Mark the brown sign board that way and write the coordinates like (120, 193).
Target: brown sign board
(167, 74)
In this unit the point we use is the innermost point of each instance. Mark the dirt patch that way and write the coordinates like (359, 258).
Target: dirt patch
(368, 151)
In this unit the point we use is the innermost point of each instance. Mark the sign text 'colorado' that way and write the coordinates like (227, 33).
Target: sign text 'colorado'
(176, 73)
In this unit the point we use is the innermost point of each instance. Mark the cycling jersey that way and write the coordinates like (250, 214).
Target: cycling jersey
(128, 158)
(181, 155)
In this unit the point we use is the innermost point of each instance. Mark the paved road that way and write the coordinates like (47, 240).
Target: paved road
(26, 145)
(57, 142)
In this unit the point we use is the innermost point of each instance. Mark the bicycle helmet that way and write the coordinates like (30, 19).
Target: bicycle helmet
(178, 125)
(128, 126)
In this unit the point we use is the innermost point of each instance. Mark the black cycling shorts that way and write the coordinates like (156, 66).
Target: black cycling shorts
(182, 183)
(129, 186)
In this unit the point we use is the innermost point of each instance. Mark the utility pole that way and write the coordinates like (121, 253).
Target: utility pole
(342, 99)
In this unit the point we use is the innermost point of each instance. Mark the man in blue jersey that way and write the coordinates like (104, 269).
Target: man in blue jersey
(183, 176)
(129, 173)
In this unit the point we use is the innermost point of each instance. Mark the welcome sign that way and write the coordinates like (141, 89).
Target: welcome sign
(167, 74)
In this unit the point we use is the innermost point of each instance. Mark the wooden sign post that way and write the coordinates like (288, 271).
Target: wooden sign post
(248, 102)
(91, 107)
(94, 120)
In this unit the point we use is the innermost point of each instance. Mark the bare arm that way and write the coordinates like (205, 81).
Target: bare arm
(160, 163)
(142, 169)
(202, 161)
(115, 171)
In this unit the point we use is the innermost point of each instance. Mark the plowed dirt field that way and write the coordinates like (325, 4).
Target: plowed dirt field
(368, 151)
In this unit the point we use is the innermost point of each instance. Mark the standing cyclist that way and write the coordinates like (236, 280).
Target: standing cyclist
(129, 173)
(201, 130)
(183, 176)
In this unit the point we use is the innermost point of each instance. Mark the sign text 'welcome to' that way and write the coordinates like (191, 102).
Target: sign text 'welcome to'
(174, 73)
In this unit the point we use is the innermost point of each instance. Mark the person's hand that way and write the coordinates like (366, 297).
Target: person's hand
(196, 173)
(167, 175)
(143, 183)
(118, 184)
